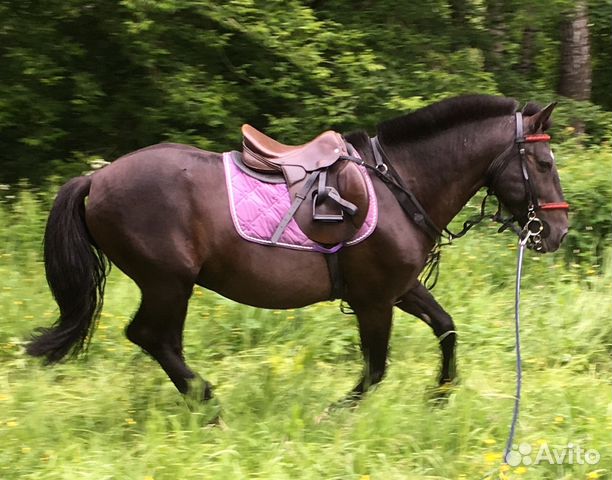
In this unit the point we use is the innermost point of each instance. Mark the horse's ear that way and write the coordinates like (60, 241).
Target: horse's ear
(541, 120)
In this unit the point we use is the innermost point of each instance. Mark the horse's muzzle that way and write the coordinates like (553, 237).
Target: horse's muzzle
(551, 242)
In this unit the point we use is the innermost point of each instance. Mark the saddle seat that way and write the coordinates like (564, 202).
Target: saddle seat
(329, 194)
(265, 154)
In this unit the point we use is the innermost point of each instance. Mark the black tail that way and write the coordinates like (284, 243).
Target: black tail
(76, 272)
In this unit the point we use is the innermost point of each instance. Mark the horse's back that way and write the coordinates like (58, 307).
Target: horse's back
(146, 204)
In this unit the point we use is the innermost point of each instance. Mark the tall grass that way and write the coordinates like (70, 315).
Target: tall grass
(114, 414)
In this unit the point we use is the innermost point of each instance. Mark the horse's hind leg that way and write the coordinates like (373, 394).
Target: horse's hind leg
(420, 303)
(157, 328)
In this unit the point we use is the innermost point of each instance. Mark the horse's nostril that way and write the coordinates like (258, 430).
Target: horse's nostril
(563, 235)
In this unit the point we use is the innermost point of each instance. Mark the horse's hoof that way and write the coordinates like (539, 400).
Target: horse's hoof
(215, 419)
(350, 401)
(208, 413)
(198, 390)
(438, 396)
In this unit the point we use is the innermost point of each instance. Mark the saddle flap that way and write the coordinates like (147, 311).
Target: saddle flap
(347, 179)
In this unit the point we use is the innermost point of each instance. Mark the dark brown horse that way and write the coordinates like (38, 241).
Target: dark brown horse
(161, 215)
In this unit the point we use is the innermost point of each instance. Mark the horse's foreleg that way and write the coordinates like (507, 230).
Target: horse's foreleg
(374, 331)
(157, 328)
(420, 303)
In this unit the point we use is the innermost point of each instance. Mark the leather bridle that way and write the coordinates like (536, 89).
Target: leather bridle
(534, 226)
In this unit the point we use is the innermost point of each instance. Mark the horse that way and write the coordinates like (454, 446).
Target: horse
(161, 215)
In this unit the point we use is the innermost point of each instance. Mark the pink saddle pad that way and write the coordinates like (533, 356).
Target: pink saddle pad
(257, 208)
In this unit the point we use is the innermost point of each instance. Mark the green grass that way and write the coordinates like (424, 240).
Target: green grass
(114, 415)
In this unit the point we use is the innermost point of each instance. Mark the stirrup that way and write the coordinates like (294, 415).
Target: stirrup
(325, 217)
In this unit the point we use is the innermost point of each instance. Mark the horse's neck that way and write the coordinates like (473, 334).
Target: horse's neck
(444, 172)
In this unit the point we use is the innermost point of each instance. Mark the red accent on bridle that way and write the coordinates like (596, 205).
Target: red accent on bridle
(537, 137)
(543, 137)
(554, 206)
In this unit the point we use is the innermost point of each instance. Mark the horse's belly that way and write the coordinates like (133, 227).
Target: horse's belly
(267, 277)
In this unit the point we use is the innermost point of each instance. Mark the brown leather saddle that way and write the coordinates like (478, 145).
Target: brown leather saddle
(329, 195)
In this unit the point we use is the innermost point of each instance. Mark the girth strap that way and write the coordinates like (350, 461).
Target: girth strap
(335, 276)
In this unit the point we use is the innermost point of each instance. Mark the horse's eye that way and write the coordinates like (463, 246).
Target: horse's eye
(544, 163)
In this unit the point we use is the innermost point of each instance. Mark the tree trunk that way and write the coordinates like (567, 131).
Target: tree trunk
(575, 80)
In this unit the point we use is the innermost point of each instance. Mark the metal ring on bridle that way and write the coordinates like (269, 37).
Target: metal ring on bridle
(532, 230)
(382, 168)
(535, 226)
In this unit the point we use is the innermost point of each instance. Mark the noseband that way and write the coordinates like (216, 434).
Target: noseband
(534, 226)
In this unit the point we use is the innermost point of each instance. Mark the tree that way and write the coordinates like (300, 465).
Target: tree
(575, 66)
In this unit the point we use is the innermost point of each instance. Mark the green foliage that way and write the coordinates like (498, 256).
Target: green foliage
(600, 29)
(597, 122)
(588, 189)
(98, 79)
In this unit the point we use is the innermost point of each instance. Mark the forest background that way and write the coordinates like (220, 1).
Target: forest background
(82, 82)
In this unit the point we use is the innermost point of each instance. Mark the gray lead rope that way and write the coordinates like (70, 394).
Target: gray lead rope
(517, 333)
(531, 233)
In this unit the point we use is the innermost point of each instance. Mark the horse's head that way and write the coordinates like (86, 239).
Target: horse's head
(526, 181)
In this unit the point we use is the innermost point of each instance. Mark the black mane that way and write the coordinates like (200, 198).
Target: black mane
(444, 115)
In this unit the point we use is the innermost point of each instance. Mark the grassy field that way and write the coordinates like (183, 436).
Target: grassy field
(114, 415)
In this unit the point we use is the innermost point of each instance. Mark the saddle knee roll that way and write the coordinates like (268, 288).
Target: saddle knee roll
(336, 220)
